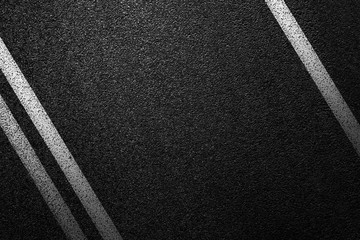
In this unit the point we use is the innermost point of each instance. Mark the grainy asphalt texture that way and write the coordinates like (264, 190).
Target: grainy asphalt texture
(190, 119)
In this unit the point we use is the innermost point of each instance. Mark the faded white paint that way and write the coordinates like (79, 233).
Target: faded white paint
(56, 145)
(317, 71)
(37, 172)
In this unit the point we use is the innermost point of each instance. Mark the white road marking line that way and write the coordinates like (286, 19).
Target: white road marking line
(37, 172)
(317, 71)
(56, 145)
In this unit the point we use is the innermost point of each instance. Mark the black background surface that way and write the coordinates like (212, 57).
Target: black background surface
(190, 119)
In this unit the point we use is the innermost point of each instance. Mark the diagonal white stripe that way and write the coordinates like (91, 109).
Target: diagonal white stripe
(56, 145)
(42, 180)
(317, 71)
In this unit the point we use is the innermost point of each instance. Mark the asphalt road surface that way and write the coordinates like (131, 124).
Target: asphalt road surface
(189, 119)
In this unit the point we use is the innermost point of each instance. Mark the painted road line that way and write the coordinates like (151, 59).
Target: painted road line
(317, 71)
(37, 172)
(56, 145)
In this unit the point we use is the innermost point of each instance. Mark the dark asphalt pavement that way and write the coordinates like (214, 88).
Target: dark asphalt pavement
(190, 119)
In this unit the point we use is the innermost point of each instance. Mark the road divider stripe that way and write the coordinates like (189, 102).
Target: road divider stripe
(37, 172)
(316, 70)
(56, 145)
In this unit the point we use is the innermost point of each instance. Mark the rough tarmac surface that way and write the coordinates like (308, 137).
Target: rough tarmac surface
(191, 120)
